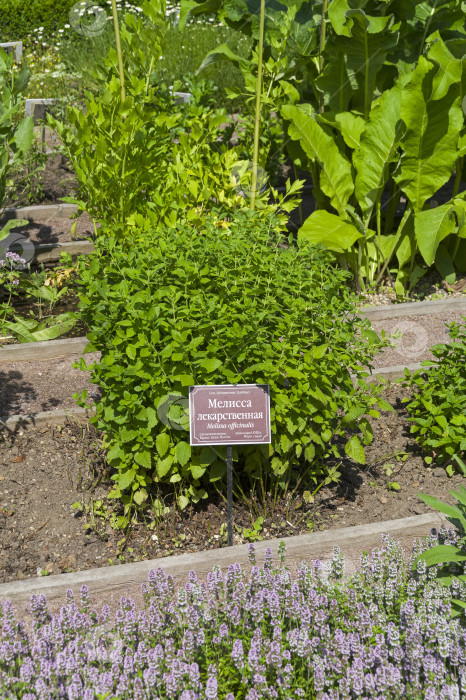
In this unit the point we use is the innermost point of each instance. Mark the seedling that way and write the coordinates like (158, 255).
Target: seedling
(253, 534)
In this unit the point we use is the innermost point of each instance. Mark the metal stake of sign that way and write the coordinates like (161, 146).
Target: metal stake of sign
(230, 494)
(229, 414)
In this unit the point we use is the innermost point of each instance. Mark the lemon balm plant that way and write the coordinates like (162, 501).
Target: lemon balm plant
(437, 409)
(231, 302)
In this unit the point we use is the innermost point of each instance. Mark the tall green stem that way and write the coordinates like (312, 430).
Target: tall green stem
(396, 242)
(118, 48)
(255, 156)
(395, 196)
(458, 175)
(321, 50)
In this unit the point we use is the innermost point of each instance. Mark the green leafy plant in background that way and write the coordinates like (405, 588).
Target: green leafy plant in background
(139, 160)
(16, 131)
(447, 557)
(233, 301)
(438, 408)
(278, 83)
(410, 141)
(380, 127)
(18, 19)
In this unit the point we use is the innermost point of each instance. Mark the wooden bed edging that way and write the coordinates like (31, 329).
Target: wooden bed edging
(39, 212)
(415, 308)
(317, 545)
(52, 251)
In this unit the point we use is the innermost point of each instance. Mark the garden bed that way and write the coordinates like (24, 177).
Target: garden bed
(46, 470)
(28, 387)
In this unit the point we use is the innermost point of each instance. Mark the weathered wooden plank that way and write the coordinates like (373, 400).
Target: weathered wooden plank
(51, 251)
(415, 308)
(43, 350)
(44, 418)
(40, 212)
(298, 548)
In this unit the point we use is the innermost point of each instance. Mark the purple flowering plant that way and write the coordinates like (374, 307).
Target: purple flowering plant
(10, 265)
(382, 633)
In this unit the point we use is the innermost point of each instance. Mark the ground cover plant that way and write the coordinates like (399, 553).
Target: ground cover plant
(438, 408)
(386, 632)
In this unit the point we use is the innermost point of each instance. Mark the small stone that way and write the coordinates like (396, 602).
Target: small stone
(155, 538)
(383, 499)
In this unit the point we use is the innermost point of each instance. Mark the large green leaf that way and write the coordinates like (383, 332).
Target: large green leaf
(334, 82)
(444, 264)
(377, 149)
(336, 180)
(431, 138)
(453, 512)
(12, 223)
(351, 127)
(32, 331)
(222, 53)
(24, 135)
(365, 52)
(450, 68)
(442, 554)
(337, 15)
(329, 230)
(431, 227)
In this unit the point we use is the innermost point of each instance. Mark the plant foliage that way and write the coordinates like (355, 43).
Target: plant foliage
(229, 303)
(382, 632)
(438, 408)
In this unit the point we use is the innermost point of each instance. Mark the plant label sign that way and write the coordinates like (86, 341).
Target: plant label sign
(229, 414)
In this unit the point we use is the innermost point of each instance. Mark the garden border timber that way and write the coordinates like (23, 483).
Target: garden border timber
(317, 545)
(44, 102)
(13, 47)
(39, 213)
(50, 252)
(55, 349)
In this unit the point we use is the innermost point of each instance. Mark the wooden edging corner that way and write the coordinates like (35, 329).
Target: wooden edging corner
(317, 545)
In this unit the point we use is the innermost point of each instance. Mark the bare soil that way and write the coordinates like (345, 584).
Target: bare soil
(43, 472)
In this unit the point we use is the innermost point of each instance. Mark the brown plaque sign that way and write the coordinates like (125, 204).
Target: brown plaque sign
(229, 414)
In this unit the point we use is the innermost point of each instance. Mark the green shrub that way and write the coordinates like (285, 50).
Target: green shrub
(18, 18)
(144, 157)
(438, 409)
(234, 302)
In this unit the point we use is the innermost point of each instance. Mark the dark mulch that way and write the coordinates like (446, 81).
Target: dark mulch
(43, 472)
